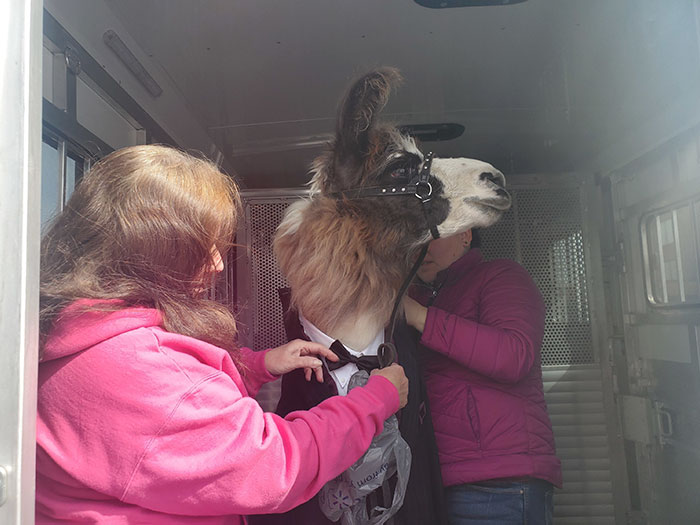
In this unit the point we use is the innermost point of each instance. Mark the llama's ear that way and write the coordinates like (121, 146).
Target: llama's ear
(367, 96)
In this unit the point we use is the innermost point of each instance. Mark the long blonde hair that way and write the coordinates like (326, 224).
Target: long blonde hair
(140, 228)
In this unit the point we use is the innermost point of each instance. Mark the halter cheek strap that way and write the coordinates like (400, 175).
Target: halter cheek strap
(419, 187)
(424, 191)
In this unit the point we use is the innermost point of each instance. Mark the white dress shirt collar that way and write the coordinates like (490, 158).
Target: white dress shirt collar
(341, 375)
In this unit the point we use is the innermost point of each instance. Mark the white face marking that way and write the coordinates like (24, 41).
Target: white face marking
(406, 143)
(293, 217)
(474, 203)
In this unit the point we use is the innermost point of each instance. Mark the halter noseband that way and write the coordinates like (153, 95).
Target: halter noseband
(418, 186)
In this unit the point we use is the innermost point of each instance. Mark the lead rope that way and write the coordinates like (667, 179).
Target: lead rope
(387, 355)
(386, 352)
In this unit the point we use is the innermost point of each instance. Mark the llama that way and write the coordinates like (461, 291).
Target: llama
(344, 257)
(347, 249)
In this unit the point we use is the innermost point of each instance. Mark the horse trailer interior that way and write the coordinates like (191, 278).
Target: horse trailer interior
(591, 108)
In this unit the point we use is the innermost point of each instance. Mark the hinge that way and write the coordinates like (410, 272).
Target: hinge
(616, 347)
(620, 256)
(72, 58)
(640, 376)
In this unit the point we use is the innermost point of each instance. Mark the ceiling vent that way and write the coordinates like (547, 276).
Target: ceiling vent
(433, 132)
(444, 4)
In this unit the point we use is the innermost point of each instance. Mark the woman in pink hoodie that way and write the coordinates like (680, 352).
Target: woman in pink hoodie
(481, 324)
(145, 412)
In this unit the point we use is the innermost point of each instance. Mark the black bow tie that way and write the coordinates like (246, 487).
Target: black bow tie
(366, 362)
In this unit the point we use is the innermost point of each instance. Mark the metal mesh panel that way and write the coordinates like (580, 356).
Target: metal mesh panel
(542, 231)
(265, 277)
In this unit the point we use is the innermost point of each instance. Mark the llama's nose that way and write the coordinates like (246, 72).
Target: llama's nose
(497, 178)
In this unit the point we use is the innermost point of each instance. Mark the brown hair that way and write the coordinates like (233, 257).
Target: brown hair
(140, 228)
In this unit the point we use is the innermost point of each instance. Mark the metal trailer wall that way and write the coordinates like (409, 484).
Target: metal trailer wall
(655, 207)
(545, 231)
(20, 183)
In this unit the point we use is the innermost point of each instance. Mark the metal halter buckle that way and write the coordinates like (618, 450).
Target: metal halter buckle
(423, 180)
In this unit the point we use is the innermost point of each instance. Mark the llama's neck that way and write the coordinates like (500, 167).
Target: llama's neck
(344, 274)
(357, 336)
(352, 319)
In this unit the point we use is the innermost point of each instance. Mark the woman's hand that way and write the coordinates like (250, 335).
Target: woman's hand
(397, 376)
(298, 354)
(415, 313)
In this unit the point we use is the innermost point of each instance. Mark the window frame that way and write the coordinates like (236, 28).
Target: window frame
(693, 203)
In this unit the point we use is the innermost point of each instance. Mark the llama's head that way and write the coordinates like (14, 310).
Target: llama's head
(346, 250)
(466, 193)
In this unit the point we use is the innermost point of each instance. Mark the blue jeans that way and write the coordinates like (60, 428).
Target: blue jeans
(500, 503)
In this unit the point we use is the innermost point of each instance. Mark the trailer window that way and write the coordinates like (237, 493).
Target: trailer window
(62, 166)
(670, 240)
(50, 183)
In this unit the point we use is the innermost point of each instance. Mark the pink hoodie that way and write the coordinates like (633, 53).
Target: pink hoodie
(139, 425)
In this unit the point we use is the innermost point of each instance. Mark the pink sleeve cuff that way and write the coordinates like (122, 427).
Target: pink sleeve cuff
(385, 390)
(257, 373)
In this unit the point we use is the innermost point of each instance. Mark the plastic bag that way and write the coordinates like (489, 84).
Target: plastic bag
(343, 498)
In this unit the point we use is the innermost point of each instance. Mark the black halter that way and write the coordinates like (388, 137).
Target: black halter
(419, 186)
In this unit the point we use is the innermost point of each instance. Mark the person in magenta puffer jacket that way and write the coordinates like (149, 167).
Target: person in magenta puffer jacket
(145, 412)
(481, 325)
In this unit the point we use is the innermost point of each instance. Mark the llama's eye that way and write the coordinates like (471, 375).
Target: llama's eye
(401, 175)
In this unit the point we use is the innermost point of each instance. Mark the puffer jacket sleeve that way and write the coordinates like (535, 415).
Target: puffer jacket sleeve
(505, 341)
(219, 453)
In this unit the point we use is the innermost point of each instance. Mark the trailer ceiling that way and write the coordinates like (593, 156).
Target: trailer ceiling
(539, 86)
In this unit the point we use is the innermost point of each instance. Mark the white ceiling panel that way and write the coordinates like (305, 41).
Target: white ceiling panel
(539, 86)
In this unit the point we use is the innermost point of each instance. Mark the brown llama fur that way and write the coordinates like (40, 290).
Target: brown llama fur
(349, 271)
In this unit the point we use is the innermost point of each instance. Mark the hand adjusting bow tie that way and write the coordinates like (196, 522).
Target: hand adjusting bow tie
(366, 362)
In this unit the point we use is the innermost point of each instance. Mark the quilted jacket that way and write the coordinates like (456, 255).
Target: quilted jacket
(482, 338)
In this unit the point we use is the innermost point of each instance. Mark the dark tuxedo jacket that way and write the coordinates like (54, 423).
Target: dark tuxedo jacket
(424, 500)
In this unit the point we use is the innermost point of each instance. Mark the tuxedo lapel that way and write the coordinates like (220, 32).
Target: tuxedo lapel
(297, 392)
